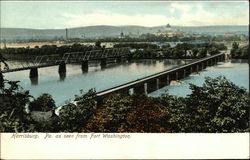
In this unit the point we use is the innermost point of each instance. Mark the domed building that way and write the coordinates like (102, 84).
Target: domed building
(168, 28)
(170, 32)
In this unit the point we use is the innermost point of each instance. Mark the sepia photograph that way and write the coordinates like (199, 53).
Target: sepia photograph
(118, 69)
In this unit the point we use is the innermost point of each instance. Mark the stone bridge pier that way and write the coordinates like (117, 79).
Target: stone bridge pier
(34, 76)
(62, 71)
(103, 62)
(34, 81)
(62, 68)
(62, 76)
(85, 66)
(33, 72)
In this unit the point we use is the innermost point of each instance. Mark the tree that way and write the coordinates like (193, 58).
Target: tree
(218, 106)
(74, 117)
(241, 53)
(145, 116)
(2, 60)
(43, 103)
(202, 52)
(13, 116)
(213, 50)
(111, 114)
(13, 100)
(235, 47)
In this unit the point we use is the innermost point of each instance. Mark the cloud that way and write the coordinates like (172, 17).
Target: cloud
(109, 18)
(203, 16)
(189, 15)
(183, 7)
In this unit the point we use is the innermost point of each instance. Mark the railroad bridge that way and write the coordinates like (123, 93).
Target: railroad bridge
(154, 82)
(73, 57)
(141, 86)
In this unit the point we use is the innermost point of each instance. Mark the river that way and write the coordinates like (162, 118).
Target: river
(237, 71)
(64, 88)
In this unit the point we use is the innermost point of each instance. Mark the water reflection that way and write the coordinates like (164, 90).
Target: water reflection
(62, 76)
(34, 81)
(85, 70)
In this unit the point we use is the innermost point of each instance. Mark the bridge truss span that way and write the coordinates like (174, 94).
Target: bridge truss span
(69, 57)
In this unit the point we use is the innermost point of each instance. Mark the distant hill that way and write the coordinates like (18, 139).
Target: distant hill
(111, 31)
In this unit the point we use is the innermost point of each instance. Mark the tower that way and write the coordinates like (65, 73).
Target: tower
(4, 43)
(66, 34)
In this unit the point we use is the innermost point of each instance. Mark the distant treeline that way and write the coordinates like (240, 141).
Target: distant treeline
(142, 50)
(183, 50)
(154, 38)
(46, 50)
(239, 52)
(145, 38)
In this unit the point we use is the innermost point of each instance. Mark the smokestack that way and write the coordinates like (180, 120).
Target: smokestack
(4, 43)
(66, 34)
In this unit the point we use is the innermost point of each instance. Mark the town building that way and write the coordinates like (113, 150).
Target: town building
(170, 32)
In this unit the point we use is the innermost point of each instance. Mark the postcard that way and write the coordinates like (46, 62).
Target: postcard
(124, 79)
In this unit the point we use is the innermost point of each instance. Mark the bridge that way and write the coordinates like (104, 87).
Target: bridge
(72, 57)
(154, 82)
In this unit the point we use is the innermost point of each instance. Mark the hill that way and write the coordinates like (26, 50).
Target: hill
(110, 31)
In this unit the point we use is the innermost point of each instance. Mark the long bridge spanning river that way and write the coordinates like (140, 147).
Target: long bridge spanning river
(136, 76)
(73, 57)
(154, 82)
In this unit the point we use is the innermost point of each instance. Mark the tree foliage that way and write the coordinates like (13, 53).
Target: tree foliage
(177, 52)
(146, 116)
(109, 117)
(217, 106)
(21, 53)
(44, 103)
(73, 117)
(238, 52)
(13, 100)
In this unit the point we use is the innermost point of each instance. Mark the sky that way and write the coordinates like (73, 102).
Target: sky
(65, 14)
